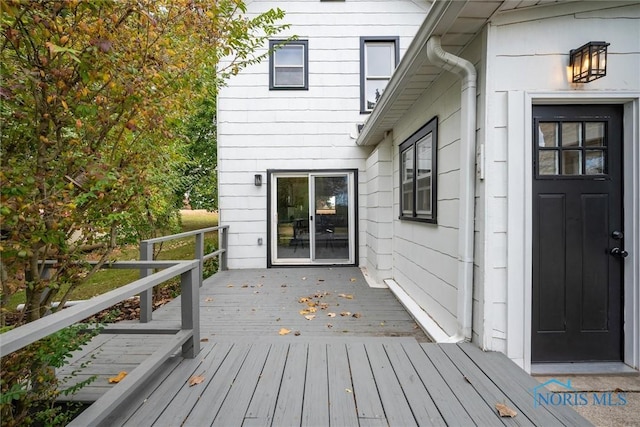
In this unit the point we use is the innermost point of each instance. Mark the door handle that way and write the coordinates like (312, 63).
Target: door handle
(620, 253)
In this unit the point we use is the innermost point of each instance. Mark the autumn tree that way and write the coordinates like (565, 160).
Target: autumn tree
(91, 93)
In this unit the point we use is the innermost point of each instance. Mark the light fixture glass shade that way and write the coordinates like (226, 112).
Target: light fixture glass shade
(589, 62)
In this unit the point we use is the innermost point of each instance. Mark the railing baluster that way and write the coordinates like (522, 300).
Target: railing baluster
(190, 310)
(146, 297)
(223, 238)
(200, 253)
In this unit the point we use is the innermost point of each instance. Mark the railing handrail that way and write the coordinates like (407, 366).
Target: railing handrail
(146, 253)
(24, 335)
(185, 234)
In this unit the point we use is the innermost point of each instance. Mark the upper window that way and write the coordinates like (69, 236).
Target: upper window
(378, 58)
(418, 174)
(288, 64)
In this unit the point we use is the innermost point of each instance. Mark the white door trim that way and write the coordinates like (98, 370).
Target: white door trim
(519, 215)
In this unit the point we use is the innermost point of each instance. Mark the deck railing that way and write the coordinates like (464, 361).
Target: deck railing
(146, 253)
(187, 335)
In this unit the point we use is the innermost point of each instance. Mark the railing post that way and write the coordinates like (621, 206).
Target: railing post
(146, 297)
(190, 310)
(200, 254)
(223, 238)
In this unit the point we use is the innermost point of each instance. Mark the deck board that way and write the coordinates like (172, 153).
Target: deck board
(369, 404)
(342, 405)
(377, 369)
(315, 406)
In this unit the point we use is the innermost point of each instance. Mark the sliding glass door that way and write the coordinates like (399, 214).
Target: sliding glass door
(313, 218)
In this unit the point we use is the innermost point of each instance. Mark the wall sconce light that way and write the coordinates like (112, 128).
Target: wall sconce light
(257, 180)
(588, 62)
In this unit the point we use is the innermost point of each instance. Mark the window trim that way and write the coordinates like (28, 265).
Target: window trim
(305, 64)
(410, 144)
(363, 78)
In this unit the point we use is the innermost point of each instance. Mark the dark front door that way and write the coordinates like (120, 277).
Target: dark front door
(577, 226)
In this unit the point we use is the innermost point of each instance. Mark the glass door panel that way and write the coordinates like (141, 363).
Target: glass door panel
(331, 220)
(312, 218)
(292, 235)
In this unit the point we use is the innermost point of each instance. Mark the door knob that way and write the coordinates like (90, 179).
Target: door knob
(617, 235)
(621, 253)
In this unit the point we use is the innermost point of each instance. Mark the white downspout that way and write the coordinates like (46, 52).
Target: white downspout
(467, 72)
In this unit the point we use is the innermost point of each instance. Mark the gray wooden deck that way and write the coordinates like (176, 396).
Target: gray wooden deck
(377, 368)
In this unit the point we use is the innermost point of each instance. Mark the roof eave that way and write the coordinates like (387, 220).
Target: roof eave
(439, 18)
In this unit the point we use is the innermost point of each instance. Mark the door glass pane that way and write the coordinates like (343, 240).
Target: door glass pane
(571, 134)
(594, 134)
(331, 217)
(293, 217)
(594, 162)
(548, 135)
(572, 162)
(548, 162)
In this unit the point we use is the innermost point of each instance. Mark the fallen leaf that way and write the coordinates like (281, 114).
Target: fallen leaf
(229, 286)
(320, 280)
(329, 325)
(348, 390)
(304, 278)
(284, 331)
(278, 319)
(312, 309)
(312, 303)
(303, 300)
(345, 313)
(381, 323)
(196, 379)
(118, 378)
(357, 315)
(208, 299)
(353, 279)
(310, 316)
(304, 312)
(283, 286)
(505, 411)
(331, 314)
(296, 333)
(324, 306)
(245, 286)
(204, 340)
(347, 296)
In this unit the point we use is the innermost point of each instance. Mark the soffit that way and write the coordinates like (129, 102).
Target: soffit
(457, 23)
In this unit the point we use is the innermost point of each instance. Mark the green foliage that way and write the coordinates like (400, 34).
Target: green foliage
(198, 173)
(92, 147)
(28, 384)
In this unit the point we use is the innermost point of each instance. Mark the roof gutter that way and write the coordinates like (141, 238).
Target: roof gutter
(439, 13)
(467, 72)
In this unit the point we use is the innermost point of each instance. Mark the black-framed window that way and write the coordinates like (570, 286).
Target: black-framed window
(288, 65)
(379, 57)
(419, 174)
(571, 148)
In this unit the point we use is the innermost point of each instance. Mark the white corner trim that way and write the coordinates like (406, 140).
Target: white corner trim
(371, 281)
(428, 325)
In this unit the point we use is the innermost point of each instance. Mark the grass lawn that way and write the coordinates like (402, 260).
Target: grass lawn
(107, 280)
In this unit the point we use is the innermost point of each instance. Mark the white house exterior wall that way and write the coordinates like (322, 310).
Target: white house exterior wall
(527, 63)
(261, 129)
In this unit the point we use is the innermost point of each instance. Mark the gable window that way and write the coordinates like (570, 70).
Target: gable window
(378, 58)
(418, 174)
(288, 65)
